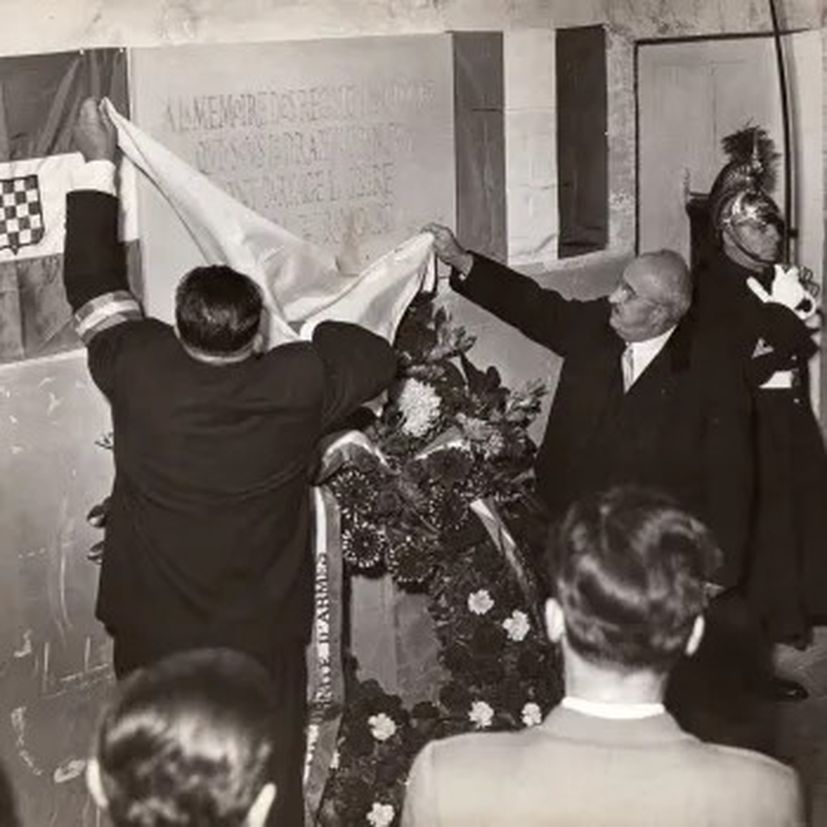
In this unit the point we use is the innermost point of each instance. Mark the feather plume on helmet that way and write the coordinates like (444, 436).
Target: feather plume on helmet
(742, 187)
(740, 192)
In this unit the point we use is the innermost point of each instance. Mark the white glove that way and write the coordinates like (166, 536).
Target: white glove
(787, 289)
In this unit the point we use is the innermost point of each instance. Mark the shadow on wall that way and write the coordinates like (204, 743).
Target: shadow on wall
(54, 655)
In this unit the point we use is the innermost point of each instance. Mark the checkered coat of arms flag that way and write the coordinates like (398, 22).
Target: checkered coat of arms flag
(39, 100)
(21, 222)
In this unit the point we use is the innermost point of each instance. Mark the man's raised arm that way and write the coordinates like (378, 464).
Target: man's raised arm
(359, 365)
(94, 267)
(541, 314)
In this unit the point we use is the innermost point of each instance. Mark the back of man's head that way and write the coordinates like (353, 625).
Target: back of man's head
(218, 311)
(630, 569)
(189, 740)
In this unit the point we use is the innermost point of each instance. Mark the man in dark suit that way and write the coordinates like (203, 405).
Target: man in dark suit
(629, 569)
(766, 311)
(641, 399)
(209, 520)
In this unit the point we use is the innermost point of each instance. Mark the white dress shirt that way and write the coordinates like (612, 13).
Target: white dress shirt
(613, 711)
(643, 353)
(95, 175)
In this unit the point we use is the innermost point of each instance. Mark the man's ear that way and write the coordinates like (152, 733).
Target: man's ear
(257, 814)
(555, 622)
(695, 636)
(664, 315)
(95, 783)
(259, 343)
(262, 339)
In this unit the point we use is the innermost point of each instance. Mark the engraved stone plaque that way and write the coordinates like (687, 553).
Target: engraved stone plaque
(345, 142)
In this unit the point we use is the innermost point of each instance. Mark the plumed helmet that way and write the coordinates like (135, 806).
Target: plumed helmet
(741, 189)
(752, 205)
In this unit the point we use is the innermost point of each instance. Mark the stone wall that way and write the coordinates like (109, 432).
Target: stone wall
(54, 662)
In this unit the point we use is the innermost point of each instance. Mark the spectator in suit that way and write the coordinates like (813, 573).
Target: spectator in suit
(189, 740)
(629, 569)
(208, 525)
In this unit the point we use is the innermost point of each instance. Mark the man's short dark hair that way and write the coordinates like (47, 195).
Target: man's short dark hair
(630, 568)
(189, 740)
(217, 310)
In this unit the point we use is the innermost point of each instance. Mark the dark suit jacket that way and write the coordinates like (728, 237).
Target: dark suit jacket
(577, 771)
(683, 427)
(724, 304)
(208, 527)
(787, 578)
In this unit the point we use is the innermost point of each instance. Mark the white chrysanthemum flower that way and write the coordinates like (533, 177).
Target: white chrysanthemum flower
(531, 714)
(382, 726)
(517, 626)
(381, 815)
(419, 404)
(481, 714)
(494, 445)
(474, 427)
(480, 602)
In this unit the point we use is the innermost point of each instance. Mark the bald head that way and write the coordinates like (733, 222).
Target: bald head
(654, 292)
(670, 277)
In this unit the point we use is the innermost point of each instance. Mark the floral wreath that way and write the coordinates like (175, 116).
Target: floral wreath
(433, 506)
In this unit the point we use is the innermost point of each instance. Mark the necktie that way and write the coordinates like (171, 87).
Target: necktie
(627, 366)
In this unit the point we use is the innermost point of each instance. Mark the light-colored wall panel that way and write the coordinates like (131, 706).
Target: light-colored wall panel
(530, 120)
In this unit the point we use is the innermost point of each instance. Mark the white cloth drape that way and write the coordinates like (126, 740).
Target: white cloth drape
(302, 283)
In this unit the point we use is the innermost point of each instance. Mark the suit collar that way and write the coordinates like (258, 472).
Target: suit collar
(680, 344)
(674, 357)
(604, 367)
(658, 729)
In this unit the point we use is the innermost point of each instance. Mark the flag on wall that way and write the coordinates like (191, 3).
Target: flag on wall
(39, 100)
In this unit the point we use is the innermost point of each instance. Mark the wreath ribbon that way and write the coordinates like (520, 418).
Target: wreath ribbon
(325, 676)
(325, 672)
(505, 543)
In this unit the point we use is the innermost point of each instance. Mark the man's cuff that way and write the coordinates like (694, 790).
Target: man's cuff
(457, 277)
(460, 275)
(105, 311)
(96, 175)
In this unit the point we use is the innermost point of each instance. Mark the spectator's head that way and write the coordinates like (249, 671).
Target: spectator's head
(218, 314)
(189, 740)
(654, 292)
(629, 569)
